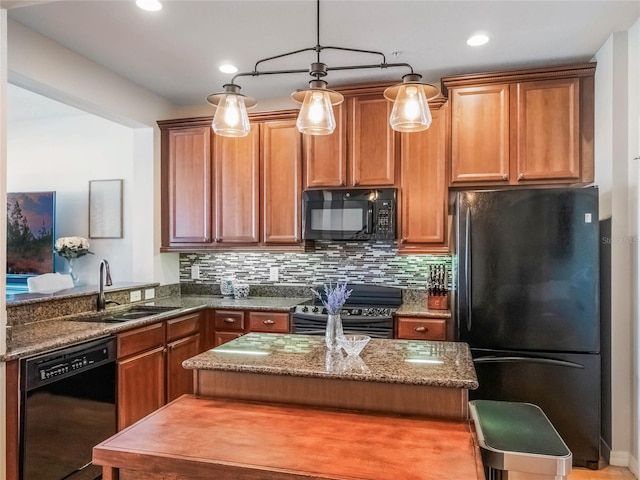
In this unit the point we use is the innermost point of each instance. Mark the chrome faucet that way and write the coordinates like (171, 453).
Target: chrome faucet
(102, 302)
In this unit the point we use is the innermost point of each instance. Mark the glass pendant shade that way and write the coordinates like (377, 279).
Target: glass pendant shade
(410, 111)
(231, 119)
(316, 114)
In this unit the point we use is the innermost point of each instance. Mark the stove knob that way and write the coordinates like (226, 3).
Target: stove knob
(315, 310)
(305, 309)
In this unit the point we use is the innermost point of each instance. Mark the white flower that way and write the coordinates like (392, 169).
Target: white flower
(72, 247)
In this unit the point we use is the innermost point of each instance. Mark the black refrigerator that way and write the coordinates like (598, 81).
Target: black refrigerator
(527, 303)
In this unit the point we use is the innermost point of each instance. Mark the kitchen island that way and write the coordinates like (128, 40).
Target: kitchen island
(389, 376)
(280, 406)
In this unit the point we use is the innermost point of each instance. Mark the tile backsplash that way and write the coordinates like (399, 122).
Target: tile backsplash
(355, 262)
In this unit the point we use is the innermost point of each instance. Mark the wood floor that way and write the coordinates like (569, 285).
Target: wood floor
(609, 473)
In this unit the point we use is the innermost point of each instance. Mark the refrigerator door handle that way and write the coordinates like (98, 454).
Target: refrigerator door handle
(516, 359)
(467, 265)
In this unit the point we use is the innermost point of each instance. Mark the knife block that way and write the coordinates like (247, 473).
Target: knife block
(438, 302)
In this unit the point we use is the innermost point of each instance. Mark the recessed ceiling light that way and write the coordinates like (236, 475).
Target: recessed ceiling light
(477, 40)
(149, 5)
(228, 68)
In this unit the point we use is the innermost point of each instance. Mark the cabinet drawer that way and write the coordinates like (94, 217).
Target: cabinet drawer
(229, 320)
(413, 328)
(140, 339)
(180, 327)
(268, 322)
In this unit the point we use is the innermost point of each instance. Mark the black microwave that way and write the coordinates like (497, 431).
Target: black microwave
(354, 214)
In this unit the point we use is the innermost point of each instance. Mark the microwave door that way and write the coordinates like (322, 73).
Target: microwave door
(341, 220)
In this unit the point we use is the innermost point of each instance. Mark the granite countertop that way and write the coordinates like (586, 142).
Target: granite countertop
(416, 362)
(421, 310)
(38, 337)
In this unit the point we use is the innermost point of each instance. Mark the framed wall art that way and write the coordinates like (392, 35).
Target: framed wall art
(105, 208)
(30, 233)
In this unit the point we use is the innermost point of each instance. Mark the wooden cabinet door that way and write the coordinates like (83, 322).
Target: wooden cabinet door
(237, 168)
(371, 141)
(281, 160)
(480, 134)
(179, 379)
(423, 190)
(141, 386)
(546, 137)
(189, 185)
(325, 156)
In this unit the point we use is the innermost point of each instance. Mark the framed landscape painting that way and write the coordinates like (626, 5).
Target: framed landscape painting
(30, 233)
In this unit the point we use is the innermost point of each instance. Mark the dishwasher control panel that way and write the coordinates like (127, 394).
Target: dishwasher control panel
(58, 364)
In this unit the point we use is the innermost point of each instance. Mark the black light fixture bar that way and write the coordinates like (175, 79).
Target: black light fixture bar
(410, 111)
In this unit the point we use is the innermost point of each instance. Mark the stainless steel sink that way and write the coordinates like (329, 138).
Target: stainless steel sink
(132, 313)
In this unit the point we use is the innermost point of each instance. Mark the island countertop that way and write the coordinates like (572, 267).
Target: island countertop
(410, 362)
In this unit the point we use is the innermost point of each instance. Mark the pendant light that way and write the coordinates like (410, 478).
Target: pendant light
(316, 114)
(231, 119)
(410, 111)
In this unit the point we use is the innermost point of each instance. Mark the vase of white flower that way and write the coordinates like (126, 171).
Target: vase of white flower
(335, 297)
(71, 248)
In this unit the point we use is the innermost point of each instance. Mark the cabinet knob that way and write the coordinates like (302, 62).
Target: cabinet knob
(505, 177)
(420, 329)
(229, 320)
(268, 321)
(521, 176)
(164, 350)
(216, 239)
(356, 182)
(342, 183)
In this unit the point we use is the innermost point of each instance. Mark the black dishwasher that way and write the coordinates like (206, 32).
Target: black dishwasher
(68, 405)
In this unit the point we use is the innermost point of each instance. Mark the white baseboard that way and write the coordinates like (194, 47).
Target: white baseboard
(633, 465)
(619, 458)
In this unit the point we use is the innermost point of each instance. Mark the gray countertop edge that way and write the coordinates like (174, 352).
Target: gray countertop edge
(61, 332)
(195, 364)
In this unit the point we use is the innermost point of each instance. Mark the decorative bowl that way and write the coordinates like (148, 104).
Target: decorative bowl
(240, 290)
(353, 344)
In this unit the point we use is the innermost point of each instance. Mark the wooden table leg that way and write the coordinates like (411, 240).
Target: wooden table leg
(110, 473)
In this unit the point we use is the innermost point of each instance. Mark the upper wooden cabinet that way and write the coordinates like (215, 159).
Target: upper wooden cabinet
(220, 192)
(187, 172)
(423, 186)
(237, 175)
(281, 167)
(362, 149)
(522, 127)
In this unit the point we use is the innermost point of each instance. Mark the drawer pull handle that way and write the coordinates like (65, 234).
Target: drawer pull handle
(505, 177)
(421, 329)
(229, 320)
(268, 321)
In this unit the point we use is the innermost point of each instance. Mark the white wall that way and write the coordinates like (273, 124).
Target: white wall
(634, 178)
(63, 154)
(45, 67)
(617, 93)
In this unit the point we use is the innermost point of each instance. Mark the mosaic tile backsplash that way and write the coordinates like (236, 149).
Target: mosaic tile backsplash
(357, 262)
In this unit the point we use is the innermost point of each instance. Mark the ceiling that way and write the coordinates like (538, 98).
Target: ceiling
(176, 51)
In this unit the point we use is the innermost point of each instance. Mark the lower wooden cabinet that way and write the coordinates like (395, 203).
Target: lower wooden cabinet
(421, 328)
(149, 368)
(226, 325)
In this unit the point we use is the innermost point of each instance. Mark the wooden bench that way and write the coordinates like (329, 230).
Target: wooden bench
(518, 442)
(196, 438)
